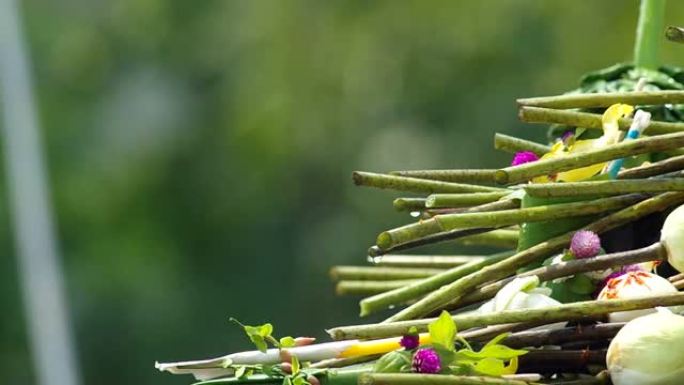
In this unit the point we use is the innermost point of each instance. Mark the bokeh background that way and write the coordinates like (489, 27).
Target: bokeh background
(200, 152)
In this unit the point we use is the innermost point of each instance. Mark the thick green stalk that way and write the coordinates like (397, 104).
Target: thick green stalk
(649, 34)
(433, 261)
(432, 379)
(455, 235)
(419, 288)
(512, 144)
(456, 290)
(463, 200)
(372, 273)
(369, 287)
(655, 252)
(604, 187)
(571, 161)
(503, 238)
(448, 222)
(559, 313)
(604, 99)
(674, 163)
(409, 204)
(588, 120)
(459, 176)
(415, 185)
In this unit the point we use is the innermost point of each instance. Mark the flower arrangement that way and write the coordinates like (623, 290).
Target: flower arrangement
(559, 304)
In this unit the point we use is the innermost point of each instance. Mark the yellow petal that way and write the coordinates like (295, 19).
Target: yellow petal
(611, 130)
(512, 366)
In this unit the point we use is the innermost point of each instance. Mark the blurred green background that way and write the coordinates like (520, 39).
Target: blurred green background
(200, 152)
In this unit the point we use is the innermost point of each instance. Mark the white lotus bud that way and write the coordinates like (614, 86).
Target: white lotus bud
(649, 350)
(672, 237)
(634, 284)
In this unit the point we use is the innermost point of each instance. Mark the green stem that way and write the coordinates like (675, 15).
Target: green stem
(559, 313)
(409, 204)
(463, 200)
(460, 176)
(432, 379)
(502, 218)
(419, 288)
(433, 261)
(512, 144)
(416, 185)
(589, 120)
(338, 273)
(604, 187)
(649, 33)
(457, 289)
(655, 252)
(568, 101)
(503, 238)
(571, 161)
(369, 287)
(455, 235)
(674, 163)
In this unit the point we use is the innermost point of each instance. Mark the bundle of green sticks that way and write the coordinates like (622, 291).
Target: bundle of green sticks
(585, 289)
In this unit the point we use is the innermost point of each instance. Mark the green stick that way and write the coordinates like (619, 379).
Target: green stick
(338, 273)
(369, 287)
(654, 252)
(544, 337)
(460, 176)
(527, 171)
(432, 379)
(463, 200)
(564, 312)
(415, 185)
(409, 204)
(433, 261)
(604, 99)
(604, 187)
(447, 222)
(470, 236)
(588, 120)
(456, 290)
(512, 144)
(649, 34)
(674, 163)
(503, 238)
(419, 288)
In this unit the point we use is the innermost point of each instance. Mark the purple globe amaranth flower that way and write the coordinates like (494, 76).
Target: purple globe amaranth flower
(426, 361)
(585, 244)
(410, 341)
(522, 157)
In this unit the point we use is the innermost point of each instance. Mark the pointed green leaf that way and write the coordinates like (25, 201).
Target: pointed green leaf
(287, 342)
(443, 330)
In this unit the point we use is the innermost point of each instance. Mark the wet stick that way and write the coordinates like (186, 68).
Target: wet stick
(467, 236)
(338, 273)
(604, 187)
(675, 163)
(512, 144)
(589, 120)
(409, 204)
(419, 288)
(551, 314)
(415, 185)
(501, 218)
(463, 200)
(595, 100)
(655, 252)
(369, 287)
(571, 161)
(459, 176)
(456, 290)
(432, 261)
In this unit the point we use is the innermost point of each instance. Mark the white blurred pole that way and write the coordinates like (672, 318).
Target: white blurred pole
(39, 265)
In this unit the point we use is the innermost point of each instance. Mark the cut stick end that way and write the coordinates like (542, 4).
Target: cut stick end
(384, 240)
(501, 176)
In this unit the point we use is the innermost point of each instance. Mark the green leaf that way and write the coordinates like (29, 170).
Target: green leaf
(287, 342)
(393, 362)
(497, 339)
(295, 365)
(581, 284)
(287, 380)
(443, 330)
(493, 351)
(240, 372)
(257, 334)
(299, 380)
(490, 367)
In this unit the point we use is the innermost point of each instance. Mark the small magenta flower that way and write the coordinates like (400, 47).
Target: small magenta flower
(426, 361)
(410, 341)
(585, 244)
(522, 157)
(567, 136)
